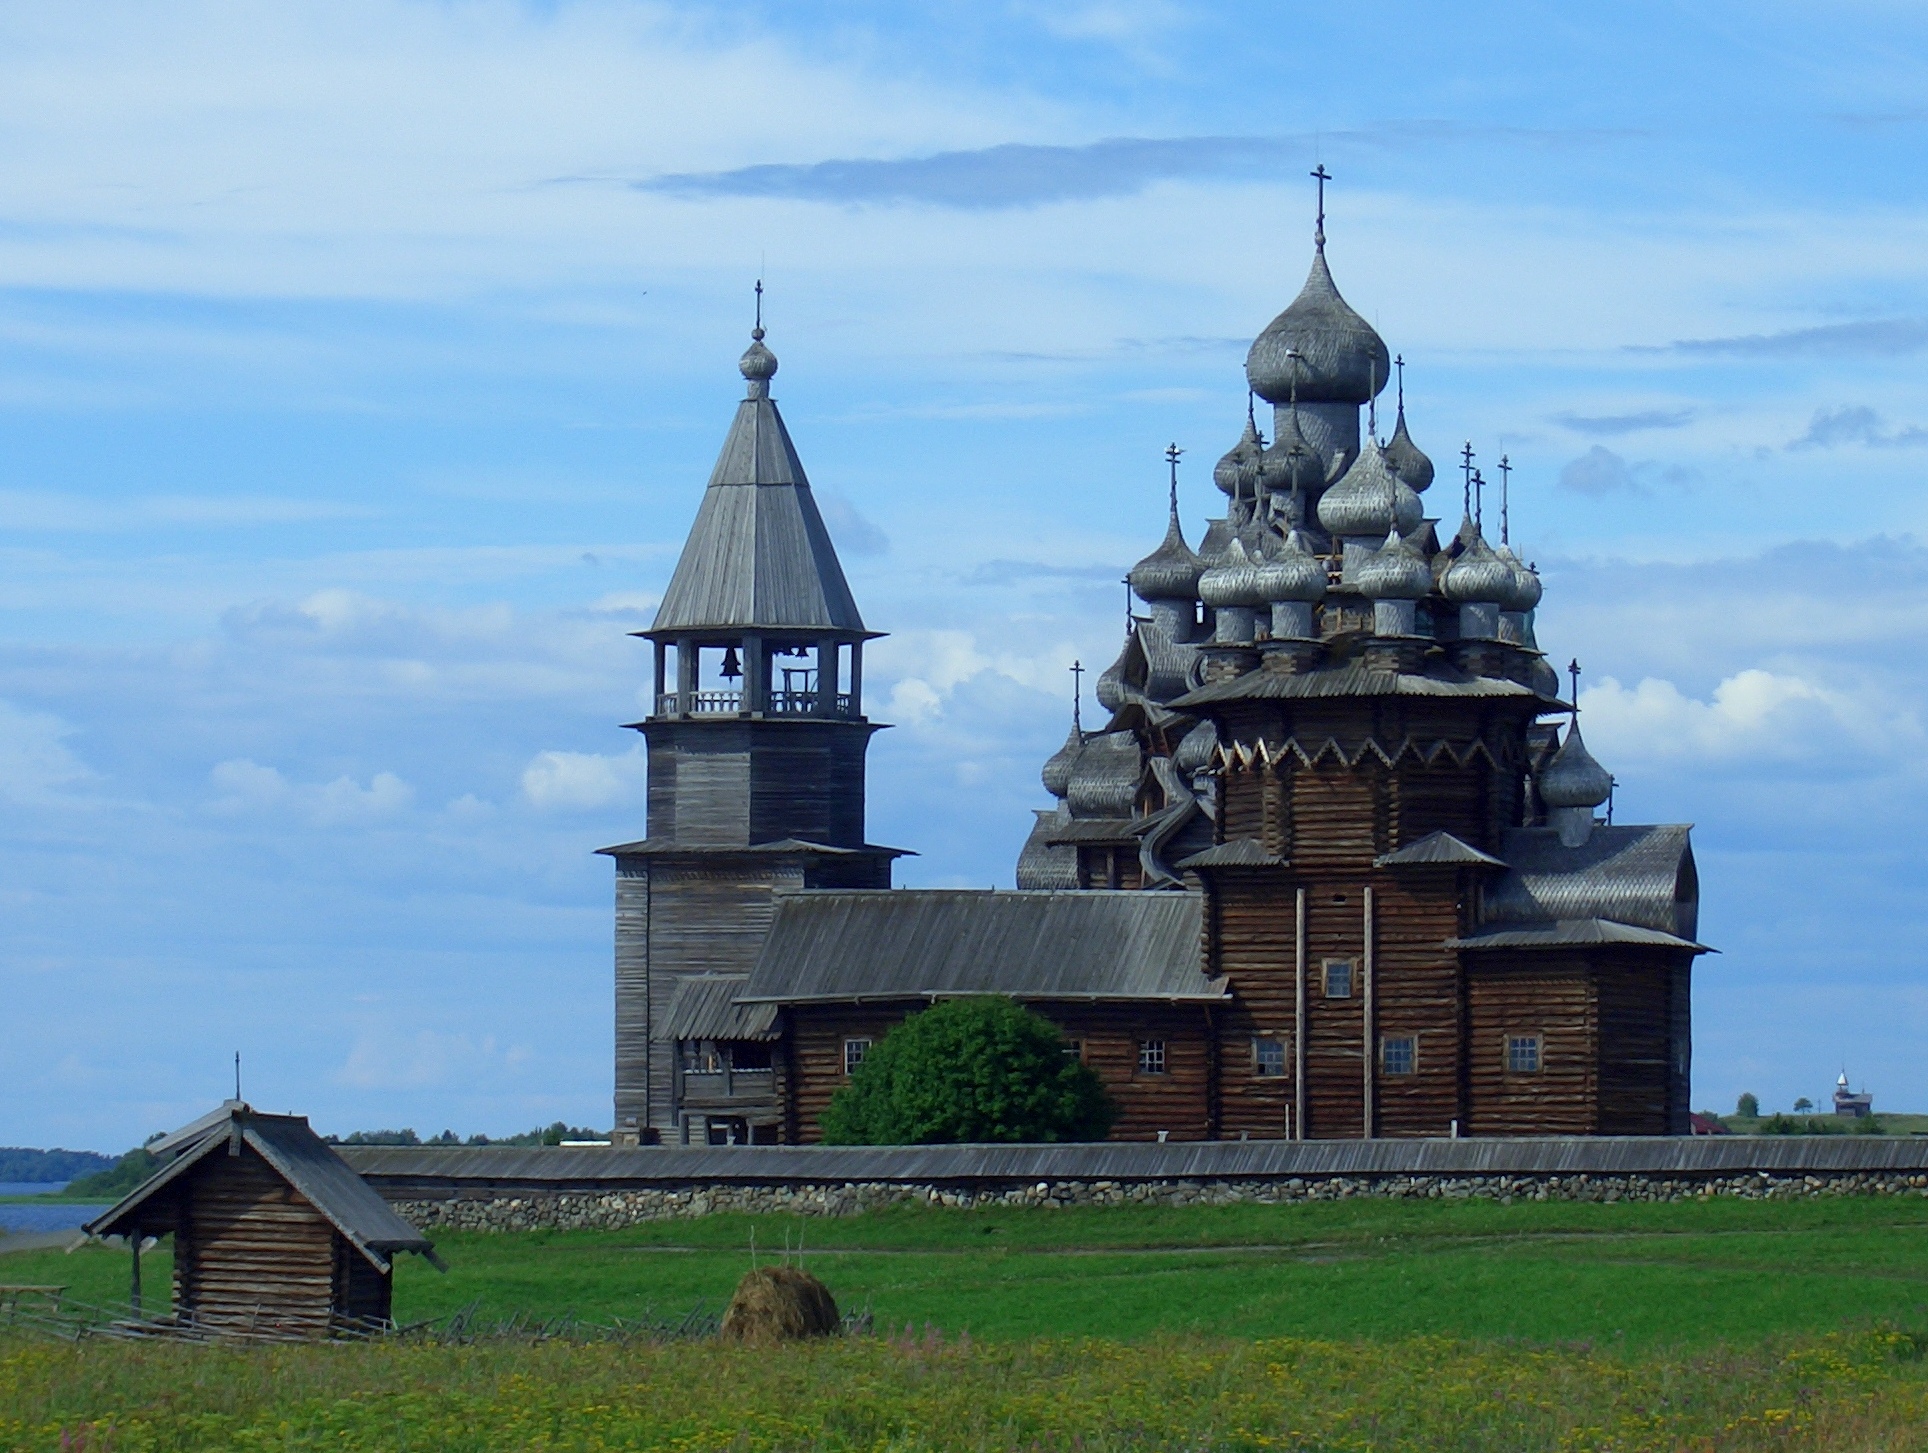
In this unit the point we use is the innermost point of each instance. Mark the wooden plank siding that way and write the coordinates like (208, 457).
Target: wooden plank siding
(252, 1255)
(1175, 1102)
(1552, 996)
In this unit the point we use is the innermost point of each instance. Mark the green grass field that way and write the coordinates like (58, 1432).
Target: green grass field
(1688, 1276)
(1713, 1325)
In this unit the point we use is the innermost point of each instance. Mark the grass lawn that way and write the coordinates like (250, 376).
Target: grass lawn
(1720, 1325)
(1684, 1276)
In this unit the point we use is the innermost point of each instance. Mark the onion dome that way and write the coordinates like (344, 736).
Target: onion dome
(1524, 593)
(1573, 778)
(1370, 500)
(1408, 463)
(1292, 573)
(1478, 576)
(1396, 571)
(1291, 462)
(1341, 359)
(1171, 571)
(1237, 473)
(1056, 775)
(1543, 678)
(1232, 581)
(758, 364)
(1196, 748)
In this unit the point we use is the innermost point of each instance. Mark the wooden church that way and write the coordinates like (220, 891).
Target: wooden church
(1334, 867)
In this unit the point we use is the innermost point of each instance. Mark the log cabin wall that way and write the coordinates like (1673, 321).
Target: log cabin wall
(1251, 940)
(1418, 996)
(1548, 996)
(362, 1290)
(1110, 1035)
(683, 916)
(1637, 997)
(250, 1253)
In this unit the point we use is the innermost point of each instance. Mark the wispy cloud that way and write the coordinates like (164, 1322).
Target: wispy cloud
(1019, 174)
(1634, 423)
(1857, 424)
(1875, 337)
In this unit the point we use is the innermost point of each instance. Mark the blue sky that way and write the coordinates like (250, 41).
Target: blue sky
(361, 363)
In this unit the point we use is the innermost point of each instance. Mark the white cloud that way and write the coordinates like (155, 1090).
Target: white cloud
(579, 781)
(1754, 715)
(35, 764)
(245, 786)
(384, 1058)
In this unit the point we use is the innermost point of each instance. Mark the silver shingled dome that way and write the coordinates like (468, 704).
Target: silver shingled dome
(1370, 499)
(1292, 572)
(1171, 571)
(1406, 458)
(1342, 360)
(1573, 778)
(1397, 571)
(1233, 580)
(1478, 576)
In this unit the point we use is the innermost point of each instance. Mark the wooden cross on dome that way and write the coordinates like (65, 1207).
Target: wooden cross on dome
(1321, 176)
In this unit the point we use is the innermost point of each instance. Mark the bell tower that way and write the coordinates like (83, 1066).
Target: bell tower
(757, 739)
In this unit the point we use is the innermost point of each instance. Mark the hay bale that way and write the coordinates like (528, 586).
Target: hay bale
(780, 1304)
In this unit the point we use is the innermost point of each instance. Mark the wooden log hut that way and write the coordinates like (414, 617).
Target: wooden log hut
(274, 1236)
(1329, 734)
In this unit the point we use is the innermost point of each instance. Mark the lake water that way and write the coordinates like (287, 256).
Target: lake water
(55, 1216)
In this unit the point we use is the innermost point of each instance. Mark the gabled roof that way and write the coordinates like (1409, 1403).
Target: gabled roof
(1438, 849)
(1643, 876)
(704, 1007)
(883, 944)
(781, 847)
(1245, 853)
(758, 554)
(1353, 680)
(298, 1156)
(1569, 932)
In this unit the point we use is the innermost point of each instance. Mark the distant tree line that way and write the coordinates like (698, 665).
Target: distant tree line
(18, 1163)
(543, 1135)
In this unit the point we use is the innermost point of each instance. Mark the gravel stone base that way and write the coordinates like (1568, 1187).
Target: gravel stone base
(470, 1210)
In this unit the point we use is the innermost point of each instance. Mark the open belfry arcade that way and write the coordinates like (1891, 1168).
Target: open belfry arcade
(1335, 866)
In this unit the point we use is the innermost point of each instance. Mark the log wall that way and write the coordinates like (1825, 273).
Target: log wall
(1176, 1102)
(252, 1255)
(1551, 996)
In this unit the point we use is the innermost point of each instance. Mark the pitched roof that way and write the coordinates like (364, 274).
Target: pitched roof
(1353, 680)
(298, 1156)
(704, 1007)
(758, 554)
(832, 946)
(1245, 853)
(1437, 849)
(1638, 875)
(1568, 932)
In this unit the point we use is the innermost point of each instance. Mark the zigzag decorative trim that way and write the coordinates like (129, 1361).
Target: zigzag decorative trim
(1243, 756)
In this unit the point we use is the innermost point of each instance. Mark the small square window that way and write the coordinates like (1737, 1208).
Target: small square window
(1268, 1057)
(1074, 1049)
(1151, 1056)
(1397, 1054)
(854, 1051)
(1338, 978)
(1523, 1054)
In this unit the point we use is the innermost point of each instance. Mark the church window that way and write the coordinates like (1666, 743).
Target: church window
(1397, 1054)
(1338, 978)
(1074, 1050)
(854, 1051)
(1523, 1054)
(1268, 1057)
(1151, 1056)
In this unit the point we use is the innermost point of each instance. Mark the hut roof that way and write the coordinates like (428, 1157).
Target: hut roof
(299, 1156)
(1637, 875)
(704, 1007)
(1100, 944)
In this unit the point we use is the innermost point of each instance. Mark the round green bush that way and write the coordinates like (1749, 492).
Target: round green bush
(969, 1070)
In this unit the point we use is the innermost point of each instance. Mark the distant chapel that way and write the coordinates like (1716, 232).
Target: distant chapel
(1328, 871)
